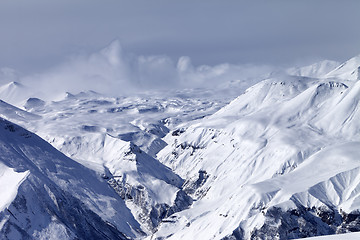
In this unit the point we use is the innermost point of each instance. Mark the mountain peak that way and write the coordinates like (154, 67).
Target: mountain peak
(113, 52)
(14, 84)
(349, 70)
(316, 70)
(14, 93)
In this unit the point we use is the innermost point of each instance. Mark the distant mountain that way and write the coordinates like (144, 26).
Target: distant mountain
(280, 161)
(14, 93)
(316, 70)
(349, 70)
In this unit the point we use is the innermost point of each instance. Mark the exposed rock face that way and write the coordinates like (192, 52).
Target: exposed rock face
(301, 222)
(150, 213)
(193, 186)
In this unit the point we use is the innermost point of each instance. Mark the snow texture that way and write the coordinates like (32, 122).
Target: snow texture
(280, 161)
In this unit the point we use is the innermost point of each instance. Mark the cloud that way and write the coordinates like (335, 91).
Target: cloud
(212, 76)
(105, 71)
(157, 72)
(40, 33)
(8, 75)
(111, 71)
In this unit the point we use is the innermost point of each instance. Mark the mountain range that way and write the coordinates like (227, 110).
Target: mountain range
(279, 161)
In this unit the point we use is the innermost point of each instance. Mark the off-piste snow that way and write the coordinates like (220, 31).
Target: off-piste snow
(279, 161)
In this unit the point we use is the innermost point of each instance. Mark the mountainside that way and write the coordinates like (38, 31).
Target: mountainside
(290, 151)
(14, 93)
(280, 161)
(118, 138)
(49, 196)
(316, 70)
(349, 70)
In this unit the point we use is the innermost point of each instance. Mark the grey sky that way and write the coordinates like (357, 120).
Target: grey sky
(36, 34)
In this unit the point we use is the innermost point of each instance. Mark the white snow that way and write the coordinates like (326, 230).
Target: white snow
(286, 141)
(349, 70)
(44, 177)
(316, 70)
(346, 236)
(9, 184)
(14, 93)
(283, 141)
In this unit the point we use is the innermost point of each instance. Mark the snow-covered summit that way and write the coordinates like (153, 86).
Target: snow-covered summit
(316, 70)
(349, 70)
(279, 161)
(14, 93)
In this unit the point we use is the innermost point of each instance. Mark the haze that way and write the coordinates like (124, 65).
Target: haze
(38, 34)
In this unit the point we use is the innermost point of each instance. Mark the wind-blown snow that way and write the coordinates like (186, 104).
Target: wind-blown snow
(114, 72)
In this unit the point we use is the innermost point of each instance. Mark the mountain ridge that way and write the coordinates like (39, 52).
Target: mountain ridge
(280, 161)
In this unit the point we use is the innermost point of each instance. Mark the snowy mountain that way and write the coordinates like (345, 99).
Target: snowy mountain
(280, 161)
(118, 138)
(316, 70)
(46, 195)
(290, 150)
(14, 93)
(348, 70)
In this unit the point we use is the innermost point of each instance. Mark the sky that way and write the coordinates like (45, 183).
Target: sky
(38, 36)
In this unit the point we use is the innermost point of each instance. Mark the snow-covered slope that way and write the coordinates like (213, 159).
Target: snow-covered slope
(281, 161)
(349, 70)
(316, 70)
(49, 196)
(118, 138)
(346, 236)
(9, 183)
(14, 93)
(20, 116)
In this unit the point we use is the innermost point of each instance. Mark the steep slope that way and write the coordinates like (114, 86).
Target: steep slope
(343, 117)
(20, 116)
(148, 187)
(281, 161)
(118, 138)
(49, 196)
(9, 183)
(14, 93)
(349, 70)
(290, 150)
